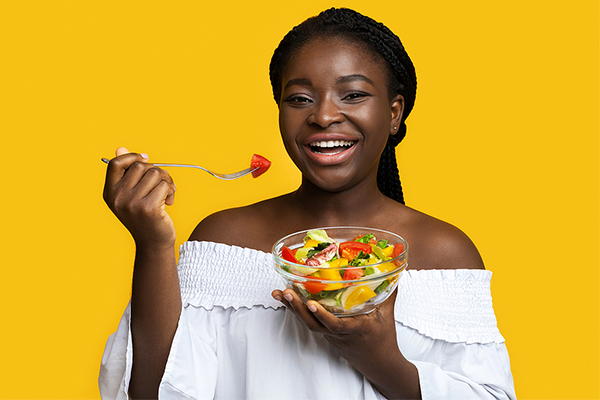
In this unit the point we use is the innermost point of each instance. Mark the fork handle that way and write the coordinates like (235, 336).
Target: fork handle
(106, 160)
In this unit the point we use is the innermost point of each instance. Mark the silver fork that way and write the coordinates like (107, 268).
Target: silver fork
(225, 177)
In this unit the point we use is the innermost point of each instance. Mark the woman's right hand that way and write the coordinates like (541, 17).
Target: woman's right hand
(137, 193)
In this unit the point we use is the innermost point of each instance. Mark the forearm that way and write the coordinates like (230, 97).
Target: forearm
(395, 378)
(155, 310)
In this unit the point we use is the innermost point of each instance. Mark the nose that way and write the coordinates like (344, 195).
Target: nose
(325, 112)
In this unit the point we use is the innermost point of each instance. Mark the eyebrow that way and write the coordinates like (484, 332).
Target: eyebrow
(340, 80)
(298, 81)
(353, 78)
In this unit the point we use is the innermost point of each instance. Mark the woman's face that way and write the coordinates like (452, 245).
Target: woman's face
(335, 115)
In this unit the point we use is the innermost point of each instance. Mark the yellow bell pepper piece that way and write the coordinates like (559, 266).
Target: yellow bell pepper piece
(373, 260)
(359, 296)
(334, 274)
(331, 274)
(334, 286)
(310, 244)
(386, 267)
(338, 263)
(388, 251)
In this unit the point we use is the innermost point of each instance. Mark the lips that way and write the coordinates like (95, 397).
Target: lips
(330, 149)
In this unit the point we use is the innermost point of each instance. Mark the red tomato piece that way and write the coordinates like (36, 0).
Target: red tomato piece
(398, 249)
(350, 250)
(314, 287)
(262, 163)
(353, 274)
(288, 255)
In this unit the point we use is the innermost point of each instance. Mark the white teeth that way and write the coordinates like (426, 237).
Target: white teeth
(331, 143)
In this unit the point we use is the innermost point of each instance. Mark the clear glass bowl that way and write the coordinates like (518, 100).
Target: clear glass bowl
(342, 297)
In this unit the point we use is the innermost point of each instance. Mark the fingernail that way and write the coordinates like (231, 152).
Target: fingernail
(312, 308)
(278, 298)
(144, 156)
(288, 297)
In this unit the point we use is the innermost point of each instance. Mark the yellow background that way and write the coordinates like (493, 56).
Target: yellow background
(503, 142)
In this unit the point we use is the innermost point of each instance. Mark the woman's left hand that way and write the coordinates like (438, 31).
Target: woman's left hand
(367, 341)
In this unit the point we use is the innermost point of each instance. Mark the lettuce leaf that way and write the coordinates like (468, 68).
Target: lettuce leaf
(319, 235)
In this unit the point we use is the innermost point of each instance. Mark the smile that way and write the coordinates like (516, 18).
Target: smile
(330, 147)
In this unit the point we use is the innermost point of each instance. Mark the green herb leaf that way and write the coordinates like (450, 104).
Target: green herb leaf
(359, 260)
(365, 239)
(383, 243)
(382, 287)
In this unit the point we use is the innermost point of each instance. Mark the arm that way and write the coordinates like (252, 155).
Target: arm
(137, 193)
(368, 342)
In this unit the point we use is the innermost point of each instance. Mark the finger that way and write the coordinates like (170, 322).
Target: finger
(155, 185)
(302, 311)
(119, 165)
(142, 178)
(115, 172)
(170, 200)
(277, 295)
(160, 193)
(332, 323)
(121, 150)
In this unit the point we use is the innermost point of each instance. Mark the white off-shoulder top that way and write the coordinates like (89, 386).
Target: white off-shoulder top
(234, 341)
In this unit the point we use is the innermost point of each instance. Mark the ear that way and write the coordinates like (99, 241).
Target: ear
(396, 111)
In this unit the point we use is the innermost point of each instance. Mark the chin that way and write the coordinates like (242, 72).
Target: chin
(333, 183)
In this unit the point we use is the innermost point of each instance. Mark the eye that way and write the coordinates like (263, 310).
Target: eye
(355, 96)
(298, 99)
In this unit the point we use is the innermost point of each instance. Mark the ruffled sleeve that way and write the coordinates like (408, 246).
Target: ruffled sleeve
(191, 370)
(115, 368)
(447, 328)
(210, 274)
(453, 305)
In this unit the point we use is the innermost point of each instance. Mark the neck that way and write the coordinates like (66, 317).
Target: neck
(353, 206)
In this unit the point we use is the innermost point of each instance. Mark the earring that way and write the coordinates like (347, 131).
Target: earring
(395, 128)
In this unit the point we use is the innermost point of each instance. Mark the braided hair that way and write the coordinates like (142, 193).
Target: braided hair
(350, 25)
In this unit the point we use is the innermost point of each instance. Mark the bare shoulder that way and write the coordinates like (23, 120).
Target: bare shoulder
(435, 244)
(254, 226)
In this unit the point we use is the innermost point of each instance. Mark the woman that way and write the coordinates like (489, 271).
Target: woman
(344, 86)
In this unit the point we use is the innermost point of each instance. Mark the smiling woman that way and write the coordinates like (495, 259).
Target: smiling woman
(332, 94)
(386, 53)
(209, 325)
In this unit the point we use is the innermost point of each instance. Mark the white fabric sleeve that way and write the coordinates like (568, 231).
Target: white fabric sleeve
(115, 368)
(458, 370)
(447, 328)
(190, 373)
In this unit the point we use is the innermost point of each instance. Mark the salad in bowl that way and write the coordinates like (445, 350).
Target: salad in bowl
(348, 270)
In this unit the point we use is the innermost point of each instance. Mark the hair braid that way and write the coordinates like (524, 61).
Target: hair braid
(350, 25)
(388, 176)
